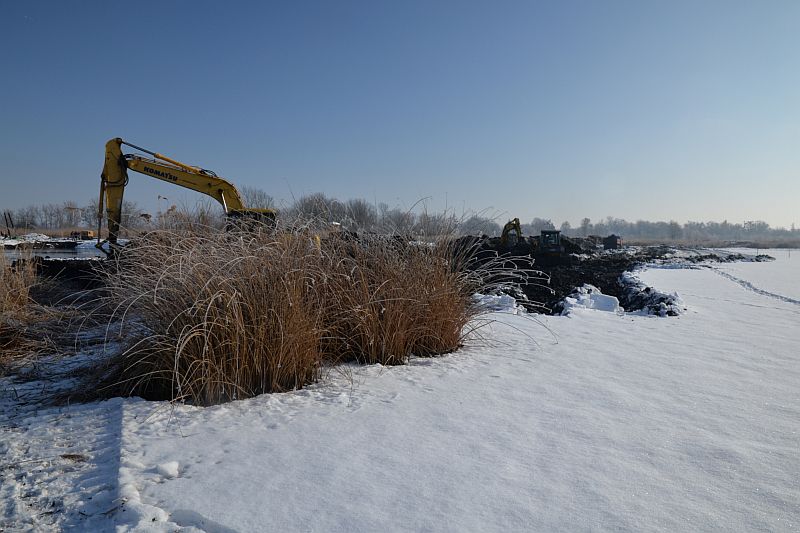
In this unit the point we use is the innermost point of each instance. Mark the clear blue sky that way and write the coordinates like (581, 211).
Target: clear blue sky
(641, 110)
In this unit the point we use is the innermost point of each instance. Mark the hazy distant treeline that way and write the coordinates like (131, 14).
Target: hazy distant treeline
(674, 231)
(66, 215)
(360, 215)
(643, 230)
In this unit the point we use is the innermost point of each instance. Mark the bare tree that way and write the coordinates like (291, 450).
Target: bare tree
(256, 198)
(675, 230)
(362, 214)
(319, 208)
(52, 216)
(89, 214)
(312, 206)
(434, 224)
(397, 221)
(131, 217)
(586, 224)
(756, 227)
(72, 214)
(27, 217)
(478, 225)
(537, 225)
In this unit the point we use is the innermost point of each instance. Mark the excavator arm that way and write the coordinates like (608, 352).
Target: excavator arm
(114, 178)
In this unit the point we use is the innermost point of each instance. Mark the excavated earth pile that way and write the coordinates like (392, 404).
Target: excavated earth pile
(69, 281)
(602, 269)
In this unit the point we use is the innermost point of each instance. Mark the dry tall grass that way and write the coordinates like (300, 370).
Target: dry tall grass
(387, 300)
(15, 284)
(218, 316)
(16, 309)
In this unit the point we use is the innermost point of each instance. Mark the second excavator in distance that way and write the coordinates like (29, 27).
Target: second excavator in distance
(114, 178)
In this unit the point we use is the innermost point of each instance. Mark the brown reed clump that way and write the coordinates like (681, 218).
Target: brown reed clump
(388, 300)
(15, 285)
(217, 316)
(16, 310)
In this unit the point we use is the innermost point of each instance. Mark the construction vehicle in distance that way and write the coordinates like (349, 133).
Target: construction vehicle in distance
(612, 242)
(82, 235)
(512, 234)
(114, 178)
(550, 249)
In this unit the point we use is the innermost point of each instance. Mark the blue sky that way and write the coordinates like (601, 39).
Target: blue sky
(640, 110)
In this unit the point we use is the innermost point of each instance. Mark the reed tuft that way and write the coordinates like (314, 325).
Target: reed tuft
(16, 310)
(214, 316)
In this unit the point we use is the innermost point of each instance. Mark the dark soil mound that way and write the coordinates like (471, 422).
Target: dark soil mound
(602, 269)
(65, 280)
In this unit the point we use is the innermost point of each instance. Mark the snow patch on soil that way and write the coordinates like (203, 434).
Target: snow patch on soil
(590, 297)
(501, 303)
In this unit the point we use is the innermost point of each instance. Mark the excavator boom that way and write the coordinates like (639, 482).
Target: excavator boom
(201, 181)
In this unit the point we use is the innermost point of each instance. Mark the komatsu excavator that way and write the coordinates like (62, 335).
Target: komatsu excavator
(115, 177)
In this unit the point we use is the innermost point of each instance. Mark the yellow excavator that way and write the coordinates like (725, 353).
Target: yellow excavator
(115, 177)
(512, 233)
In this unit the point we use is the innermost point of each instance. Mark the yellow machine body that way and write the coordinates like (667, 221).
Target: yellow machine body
(114, 179)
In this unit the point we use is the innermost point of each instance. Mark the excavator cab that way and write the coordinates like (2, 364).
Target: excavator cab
(550, 239)
(551, 250)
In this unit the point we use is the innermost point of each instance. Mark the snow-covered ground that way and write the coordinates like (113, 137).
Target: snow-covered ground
(784, 281)
(598, 420)
(82, 249)
(28, 237)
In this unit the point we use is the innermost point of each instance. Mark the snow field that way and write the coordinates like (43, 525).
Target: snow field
(593, 421)
(626, 423)
(782, 279)
(59, 467)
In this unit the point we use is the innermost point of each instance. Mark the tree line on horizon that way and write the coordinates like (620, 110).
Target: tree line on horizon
(360, 215)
